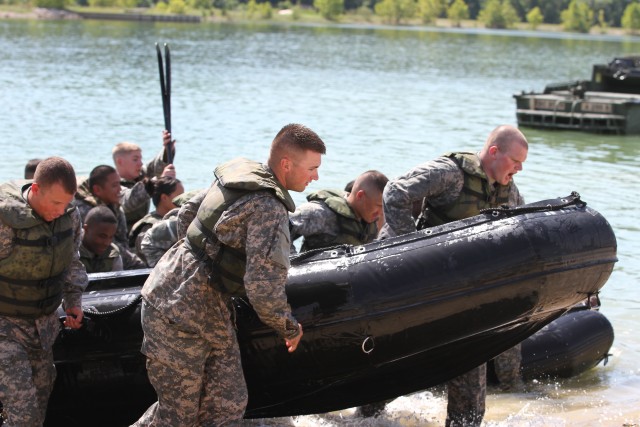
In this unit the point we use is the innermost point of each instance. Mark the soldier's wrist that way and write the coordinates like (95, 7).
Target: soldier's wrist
(292, 329)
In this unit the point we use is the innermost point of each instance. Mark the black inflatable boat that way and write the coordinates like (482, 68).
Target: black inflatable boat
(381, 320)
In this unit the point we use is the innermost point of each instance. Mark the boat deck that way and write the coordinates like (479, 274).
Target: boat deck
(601, 112)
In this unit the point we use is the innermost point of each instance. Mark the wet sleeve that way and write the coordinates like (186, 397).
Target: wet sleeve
(75, 276)
(310, 219)
(428, 180)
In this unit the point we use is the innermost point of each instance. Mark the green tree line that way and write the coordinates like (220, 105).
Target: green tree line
(573, 15)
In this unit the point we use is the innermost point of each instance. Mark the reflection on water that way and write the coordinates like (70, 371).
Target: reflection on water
(616, 149)
(385, 99)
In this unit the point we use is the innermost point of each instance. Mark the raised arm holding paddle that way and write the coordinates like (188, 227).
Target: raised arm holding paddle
(164, 68)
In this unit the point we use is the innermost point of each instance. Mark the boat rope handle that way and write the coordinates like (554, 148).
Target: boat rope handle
(572, 200)
(132, 303)
(366, 349)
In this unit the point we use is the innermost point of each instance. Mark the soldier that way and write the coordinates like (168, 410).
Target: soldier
(451, 187)
(30, 168)
(162, 191)
(127, 158)
(332, 217)
(103, 188)
(98, 253)
(237, 245)
(162, 235)
(40, 234)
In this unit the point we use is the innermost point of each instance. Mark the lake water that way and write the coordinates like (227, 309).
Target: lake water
(381, 98)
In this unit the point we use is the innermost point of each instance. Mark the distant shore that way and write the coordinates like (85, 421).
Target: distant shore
(9, 12)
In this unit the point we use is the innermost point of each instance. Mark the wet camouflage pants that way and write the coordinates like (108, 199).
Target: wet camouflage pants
(465, 398)
(507, 368)
(26, 380)
(198, 383)
(466, 394)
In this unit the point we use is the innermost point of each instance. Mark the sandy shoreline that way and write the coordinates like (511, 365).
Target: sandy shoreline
(39, 13)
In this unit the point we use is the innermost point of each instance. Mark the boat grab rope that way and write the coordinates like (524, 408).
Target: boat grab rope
(334, 250)
(92, 325)
(91, 311)
(572, 200)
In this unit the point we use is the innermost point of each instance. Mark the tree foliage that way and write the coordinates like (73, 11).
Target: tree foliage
(574, 15)
(51, 4)
(535, 18)
(395, 11)
(577, 17)
(457, 12)
(613, 9)
(498, 14)
(551, 9)
(601, 22)
(473, 7)
(631, 17)
(430, 10)
(329, 9)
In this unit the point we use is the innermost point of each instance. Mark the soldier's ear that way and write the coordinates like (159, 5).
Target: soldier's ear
(286, 164)
(35, 188)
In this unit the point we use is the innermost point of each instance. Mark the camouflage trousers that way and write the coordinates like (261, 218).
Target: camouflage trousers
(507, 368)
(27, 375)
(466, 398)
(198, 383)
(466, 394)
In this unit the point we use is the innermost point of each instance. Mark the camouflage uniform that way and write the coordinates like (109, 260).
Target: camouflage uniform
(27, 372)
(138, 229)
(188, 211)
(110, 260)
(441, 183)
(113, 259)
(193, 357)
(328, 220)
(159, 238)
(84, 201)
(134, 199)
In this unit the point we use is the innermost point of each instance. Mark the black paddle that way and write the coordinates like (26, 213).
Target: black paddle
(165, 91)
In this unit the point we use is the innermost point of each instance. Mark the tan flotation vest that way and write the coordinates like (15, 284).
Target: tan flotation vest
(31, 276)
(476, 194)
(352, 230)
(234, 179)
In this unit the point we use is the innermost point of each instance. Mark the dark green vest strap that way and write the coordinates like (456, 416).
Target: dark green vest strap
(44, 241)
(40, 304)
(37, 283)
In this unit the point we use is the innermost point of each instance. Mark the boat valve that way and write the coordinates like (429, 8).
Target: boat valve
(593, 300)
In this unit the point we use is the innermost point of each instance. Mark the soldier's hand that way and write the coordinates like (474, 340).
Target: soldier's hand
(74, 318)
(169, 171)
(166, 138)
(292, 343)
